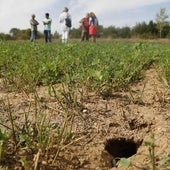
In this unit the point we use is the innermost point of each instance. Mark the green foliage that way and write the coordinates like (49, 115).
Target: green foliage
(161, 18)
(3, 141)
(125, 163)
(23, 66)
(164, 62)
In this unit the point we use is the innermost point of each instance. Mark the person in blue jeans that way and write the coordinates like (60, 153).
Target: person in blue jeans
(34, 23)
(47, 28)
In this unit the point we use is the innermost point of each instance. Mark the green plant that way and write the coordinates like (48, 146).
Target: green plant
(3, 142)
(151, 148)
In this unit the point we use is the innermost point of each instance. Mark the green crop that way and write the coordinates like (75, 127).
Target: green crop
(24, 65)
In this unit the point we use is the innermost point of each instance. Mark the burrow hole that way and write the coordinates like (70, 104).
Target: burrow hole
(121, 148)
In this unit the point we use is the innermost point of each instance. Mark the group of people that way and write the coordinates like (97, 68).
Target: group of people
(89, 25)
(47, 28)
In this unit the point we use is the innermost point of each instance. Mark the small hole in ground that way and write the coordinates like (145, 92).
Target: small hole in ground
(121, 148)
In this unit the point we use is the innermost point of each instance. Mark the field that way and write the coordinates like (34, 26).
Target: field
(85, 106)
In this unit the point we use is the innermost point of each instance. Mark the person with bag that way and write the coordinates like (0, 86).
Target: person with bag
(47, 28)
(65, 21)
(93, 22)
(34, 23)
(85, 28)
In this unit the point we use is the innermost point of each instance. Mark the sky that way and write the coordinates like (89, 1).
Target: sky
(118, 13)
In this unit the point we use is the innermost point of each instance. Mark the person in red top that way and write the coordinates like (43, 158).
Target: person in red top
(93, 22)
(85, 28)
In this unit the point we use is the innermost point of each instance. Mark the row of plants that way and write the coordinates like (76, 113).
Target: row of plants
(25, 65)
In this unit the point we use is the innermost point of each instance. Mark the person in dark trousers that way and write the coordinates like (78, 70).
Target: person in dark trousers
(85, 28)
(47, 28)
(34, 23)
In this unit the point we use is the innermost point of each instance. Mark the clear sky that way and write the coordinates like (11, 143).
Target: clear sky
(118, 13)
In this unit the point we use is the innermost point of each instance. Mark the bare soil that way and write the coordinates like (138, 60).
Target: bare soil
(111, 127)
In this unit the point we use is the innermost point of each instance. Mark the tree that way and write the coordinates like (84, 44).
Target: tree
(14, 32)
(140, 30)
(5, 36)
(110, 32)
(161, 20)
(125, 32)
(152, 30)
(75, 33)
(166, 31)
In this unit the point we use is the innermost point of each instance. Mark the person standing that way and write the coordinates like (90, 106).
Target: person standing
(93, 22)
(65, 29)
(47, 28)
(34, 23)
(85, 28)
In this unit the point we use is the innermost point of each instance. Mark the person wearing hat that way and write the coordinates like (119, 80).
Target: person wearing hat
(47, 28)
(33, 23)
(65, 29)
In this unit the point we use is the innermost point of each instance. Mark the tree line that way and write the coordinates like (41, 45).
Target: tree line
(158, 29)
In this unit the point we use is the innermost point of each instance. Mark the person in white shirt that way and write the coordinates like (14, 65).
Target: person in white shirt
(64, 28)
